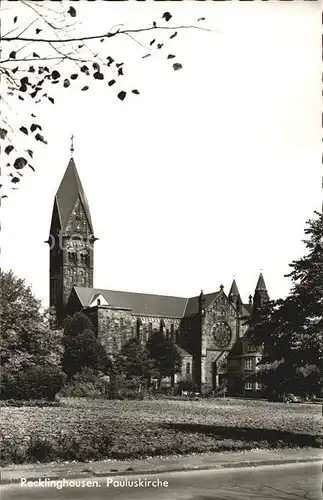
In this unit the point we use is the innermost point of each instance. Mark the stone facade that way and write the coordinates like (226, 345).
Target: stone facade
(208, 329)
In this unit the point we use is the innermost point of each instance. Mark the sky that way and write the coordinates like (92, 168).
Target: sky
(211, 172)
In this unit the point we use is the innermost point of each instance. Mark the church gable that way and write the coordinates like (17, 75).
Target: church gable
(78, 221)
(220, 324)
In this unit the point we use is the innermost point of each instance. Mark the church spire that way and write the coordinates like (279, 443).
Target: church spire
(261, 295)
(234, 292)
(69, 192)
(261, 285)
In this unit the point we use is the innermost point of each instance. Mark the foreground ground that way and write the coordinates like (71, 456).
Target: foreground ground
(83, 429)
(291, 482)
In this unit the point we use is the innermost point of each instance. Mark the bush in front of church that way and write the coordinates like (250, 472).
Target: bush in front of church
(33, 382)
(30, 352)
(82, 349)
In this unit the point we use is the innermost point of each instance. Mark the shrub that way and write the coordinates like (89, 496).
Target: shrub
(33, 382)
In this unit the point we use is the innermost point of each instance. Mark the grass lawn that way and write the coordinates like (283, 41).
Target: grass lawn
(84, 429)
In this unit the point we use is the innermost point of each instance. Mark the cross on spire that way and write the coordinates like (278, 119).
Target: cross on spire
(72, 144)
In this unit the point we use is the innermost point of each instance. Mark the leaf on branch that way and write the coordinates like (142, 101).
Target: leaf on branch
(40, 138)
(170, 56)
(30, 166)
(38, 30)
(154, 25)
(122, 95)
(55, 74)
(118, 65)
(8, 149)
(15, 69)
(12, 55)
(35, 54)
(201, 19)
(31, 154)
(110, 60)
(51, 99)
(66, 83)
(74, 76)
(15, 19)
(34, 127)
(31, 69)
(85, 88)
(146, 55)
(98, 76)
(24, 80)
(85, 69)
(72, 12)
(15, 180)
(111, 82)
(32, 114)
(120, 72)
(20, 97)
(152, 42)
(96, 66)
(173, 35)
(135, 91)
(3, 133)
(177, 66)
(24, 130)
(159, 45)
(4, 196)
(167, 16)
(81, 46)
(20, 163)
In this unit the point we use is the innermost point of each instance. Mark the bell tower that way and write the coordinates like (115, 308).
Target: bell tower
(71, 241)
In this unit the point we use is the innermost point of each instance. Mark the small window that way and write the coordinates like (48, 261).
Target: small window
(250, 348)
(248, 364)
(150, 330)
(71, 255)
(188, 368)
(248, 386)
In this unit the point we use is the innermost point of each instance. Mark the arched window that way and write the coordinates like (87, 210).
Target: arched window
(150, 330)
(71, 255)
(84, 258)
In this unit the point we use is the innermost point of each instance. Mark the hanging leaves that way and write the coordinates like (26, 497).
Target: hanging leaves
(40, 138)
(135, 91)
(30, 166)
(122, 95)
(85, 88)
(14, 180)
(3, 133)
(170, 56)
(111, 82)
(31, 154)
(51, 99)
(66, 83)
(98, 75)
(55, 74)
(20, 163)
(24, 130)
(15, 19)
(167, 16)
(177, 66)
(34, 127)
(74, 76)
(173, 35)
(8, 149)
(120, 72)
(12, 54)
(72, 12)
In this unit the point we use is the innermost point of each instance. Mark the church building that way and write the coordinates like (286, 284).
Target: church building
(210, 329)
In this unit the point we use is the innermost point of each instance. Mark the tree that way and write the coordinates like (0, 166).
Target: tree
(30, 352)
(164, 355)
(44, 47)
(82, 349)
(133, 360)
(291, 329)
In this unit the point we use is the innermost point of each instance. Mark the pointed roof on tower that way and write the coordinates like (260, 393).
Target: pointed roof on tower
(69, 191)
(261, 285)
(234, 292)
